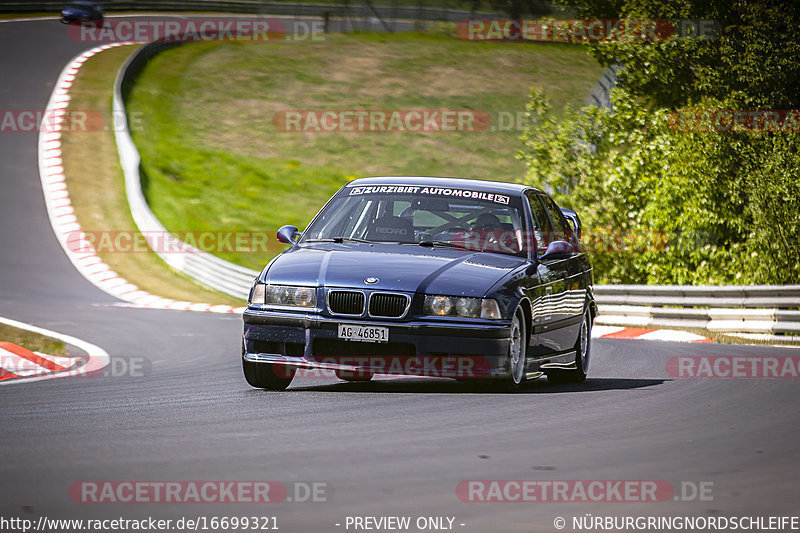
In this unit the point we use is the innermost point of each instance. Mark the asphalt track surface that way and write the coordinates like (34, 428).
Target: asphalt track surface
(393, 447)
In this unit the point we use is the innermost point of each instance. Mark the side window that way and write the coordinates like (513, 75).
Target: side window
(562, 230)
(542, 230)
(399, 207)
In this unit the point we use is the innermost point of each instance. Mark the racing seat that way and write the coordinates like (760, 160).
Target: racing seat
(487, 222)
(392, 229)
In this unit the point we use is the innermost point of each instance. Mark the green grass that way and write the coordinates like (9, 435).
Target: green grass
(28, 14)
(97, 187)
(32, 341)
(214, 160)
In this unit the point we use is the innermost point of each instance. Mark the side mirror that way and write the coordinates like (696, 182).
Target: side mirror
(572, 216)
(288, 234)
(558, 250)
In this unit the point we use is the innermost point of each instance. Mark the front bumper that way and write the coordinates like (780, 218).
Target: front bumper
(456, 349)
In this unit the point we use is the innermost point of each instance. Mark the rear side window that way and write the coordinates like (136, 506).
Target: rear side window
(562, 230)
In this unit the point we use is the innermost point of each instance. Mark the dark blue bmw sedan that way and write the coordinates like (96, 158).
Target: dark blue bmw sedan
(441, 277)
(82, 10)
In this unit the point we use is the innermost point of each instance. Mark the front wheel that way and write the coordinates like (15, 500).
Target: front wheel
(517, 354)
(267, 375)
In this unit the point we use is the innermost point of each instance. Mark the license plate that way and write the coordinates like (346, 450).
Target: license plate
(354, 332)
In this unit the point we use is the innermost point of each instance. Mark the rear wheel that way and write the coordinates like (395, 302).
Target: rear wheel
(267, 375)
(582, 351)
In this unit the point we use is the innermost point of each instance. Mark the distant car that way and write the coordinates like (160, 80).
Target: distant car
(425, 276)
(82, 10)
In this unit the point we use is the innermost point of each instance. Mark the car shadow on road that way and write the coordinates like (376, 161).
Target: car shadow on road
(446, 386)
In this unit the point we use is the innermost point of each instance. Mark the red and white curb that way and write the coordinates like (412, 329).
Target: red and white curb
(671, 335)
(18, 364)
(62, 215)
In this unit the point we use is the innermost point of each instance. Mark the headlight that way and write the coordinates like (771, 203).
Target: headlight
(468, 307)
(284, 295)
(459, 306)
(438, 305)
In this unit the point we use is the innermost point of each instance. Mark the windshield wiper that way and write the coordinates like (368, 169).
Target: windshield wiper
(432, 243)
(339, 240)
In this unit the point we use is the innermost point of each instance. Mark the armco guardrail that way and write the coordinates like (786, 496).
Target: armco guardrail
(601, 94)
(750, 309)
(204, 267)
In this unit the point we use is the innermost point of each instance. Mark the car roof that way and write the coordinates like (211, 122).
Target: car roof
(422, 181)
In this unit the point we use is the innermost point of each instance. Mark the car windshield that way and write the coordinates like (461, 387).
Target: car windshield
(427, 216)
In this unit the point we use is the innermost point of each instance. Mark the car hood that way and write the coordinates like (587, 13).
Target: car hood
(404, 268)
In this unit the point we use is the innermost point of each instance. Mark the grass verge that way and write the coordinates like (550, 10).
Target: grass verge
(28, 14)
(725, 338)
(32, 341)
(97, 188)
(215, 160)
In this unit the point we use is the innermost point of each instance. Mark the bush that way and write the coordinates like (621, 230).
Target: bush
(697, 206)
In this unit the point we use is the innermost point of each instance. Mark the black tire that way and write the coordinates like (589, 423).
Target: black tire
(352, 376)
(583, 348)
(264, 375)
